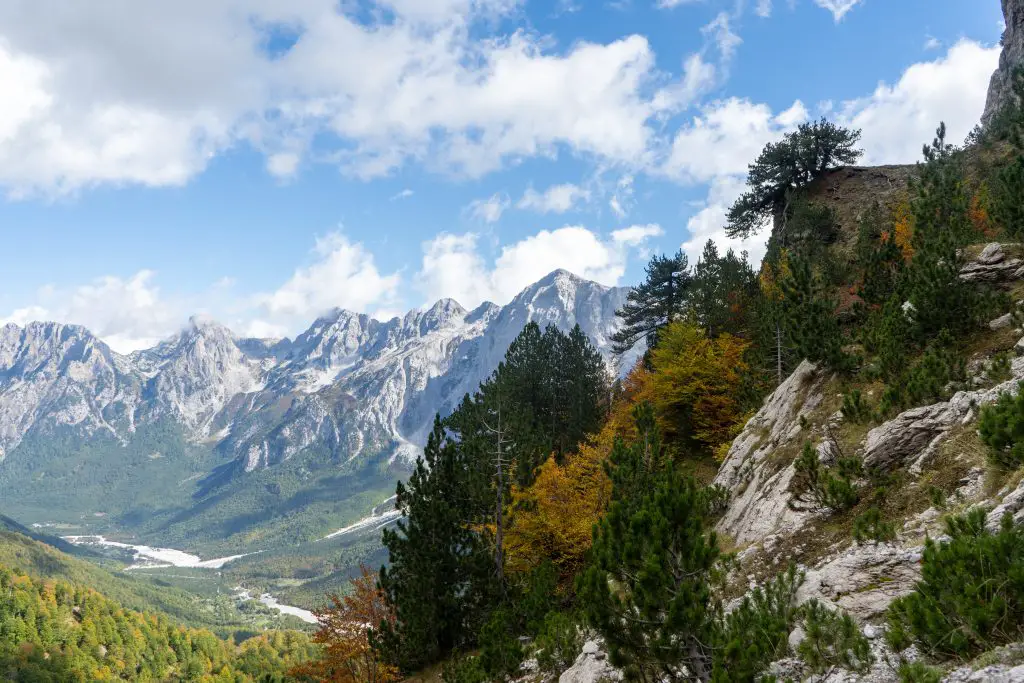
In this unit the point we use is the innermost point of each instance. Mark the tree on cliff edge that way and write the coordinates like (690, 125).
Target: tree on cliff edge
(784, 167)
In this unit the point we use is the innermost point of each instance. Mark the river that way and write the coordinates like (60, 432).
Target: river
(147, 557)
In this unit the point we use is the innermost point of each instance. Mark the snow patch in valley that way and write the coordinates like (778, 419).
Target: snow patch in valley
(272, 602)
(146, 557)
(371, 523)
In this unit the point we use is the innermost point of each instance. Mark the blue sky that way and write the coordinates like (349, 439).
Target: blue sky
(261, 161)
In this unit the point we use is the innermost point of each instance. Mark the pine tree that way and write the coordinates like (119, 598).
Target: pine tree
(660, 299)
(647, 591)
(582, 395)
(436, 582)
(723, 292)
(785, 167)
(808, 317)
(942, 225)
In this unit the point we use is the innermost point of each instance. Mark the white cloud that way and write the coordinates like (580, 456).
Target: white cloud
(343, 274)
(636, 235)
(838, 8)
(725, 40)
(86, 104)
(453, 266)
(489, 210)
(404, 194)
(621, 201)
(763, 8)
(669, 4)
(725, 137)
(556, 199)
(709, 223)
(283, 164)
(898, 119)
(932, 43)
(128, 314)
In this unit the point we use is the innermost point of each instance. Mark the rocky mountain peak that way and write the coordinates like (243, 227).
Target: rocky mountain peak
(441, 314)
(1000, 90)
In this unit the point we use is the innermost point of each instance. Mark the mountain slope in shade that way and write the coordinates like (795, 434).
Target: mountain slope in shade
(211, 434)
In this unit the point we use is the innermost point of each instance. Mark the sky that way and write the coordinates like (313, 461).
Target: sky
(264, 161)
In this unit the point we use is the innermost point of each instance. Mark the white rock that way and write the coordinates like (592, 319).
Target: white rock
(1002, 322)
(991, 254)
(759, 504)
(590, 667)
(864, 580)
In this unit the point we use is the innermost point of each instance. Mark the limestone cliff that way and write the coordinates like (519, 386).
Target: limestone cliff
(1011, 59)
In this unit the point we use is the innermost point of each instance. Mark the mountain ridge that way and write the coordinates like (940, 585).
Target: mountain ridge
(350, 397)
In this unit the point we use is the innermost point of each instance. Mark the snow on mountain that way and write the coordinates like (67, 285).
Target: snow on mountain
(349, 384)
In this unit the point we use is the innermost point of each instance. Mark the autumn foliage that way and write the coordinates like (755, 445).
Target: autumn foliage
(692, 385)
(345, 625)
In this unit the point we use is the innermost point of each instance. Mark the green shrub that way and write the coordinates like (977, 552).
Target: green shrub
(916, 672)
(937, 497)
(825, 487)
(832, 639)
(464, 670)
(870, 526)
(1002, 429)
(855, 408)
(501, 653)
(559, 643)
(756, 633)
(971, 594)
(928, 380)
(1000, 369)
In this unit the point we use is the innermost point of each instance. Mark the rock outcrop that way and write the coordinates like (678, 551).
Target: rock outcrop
(591, 667)
(1000, 91)
(993, 266)
(864, 580)
(759, 504)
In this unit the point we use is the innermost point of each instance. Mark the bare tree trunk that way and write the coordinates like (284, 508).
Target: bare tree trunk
(499, 503)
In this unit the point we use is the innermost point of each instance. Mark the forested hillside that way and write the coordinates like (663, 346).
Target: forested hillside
(811, 474)
(61, 632)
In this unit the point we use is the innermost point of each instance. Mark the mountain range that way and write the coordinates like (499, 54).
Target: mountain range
(209, 436)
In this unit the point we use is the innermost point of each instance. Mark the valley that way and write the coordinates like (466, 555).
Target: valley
(281, 455)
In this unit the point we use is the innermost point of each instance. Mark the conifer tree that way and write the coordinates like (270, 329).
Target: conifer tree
(723, 293)
(939, 298)
(660, 299)
(808, 317)
(647, 591)
(785, 167)
(437, 583)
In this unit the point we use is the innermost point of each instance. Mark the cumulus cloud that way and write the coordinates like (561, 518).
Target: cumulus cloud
(85, 104)
(127, 313)
(898, 119)
(342, 274)
(725, 137)
(556, 199)
(453, 265)
(763, 8)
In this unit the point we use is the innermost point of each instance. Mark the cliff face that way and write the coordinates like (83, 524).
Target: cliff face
(1012, 58)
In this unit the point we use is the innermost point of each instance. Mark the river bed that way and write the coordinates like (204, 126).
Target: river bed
(147, 557)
